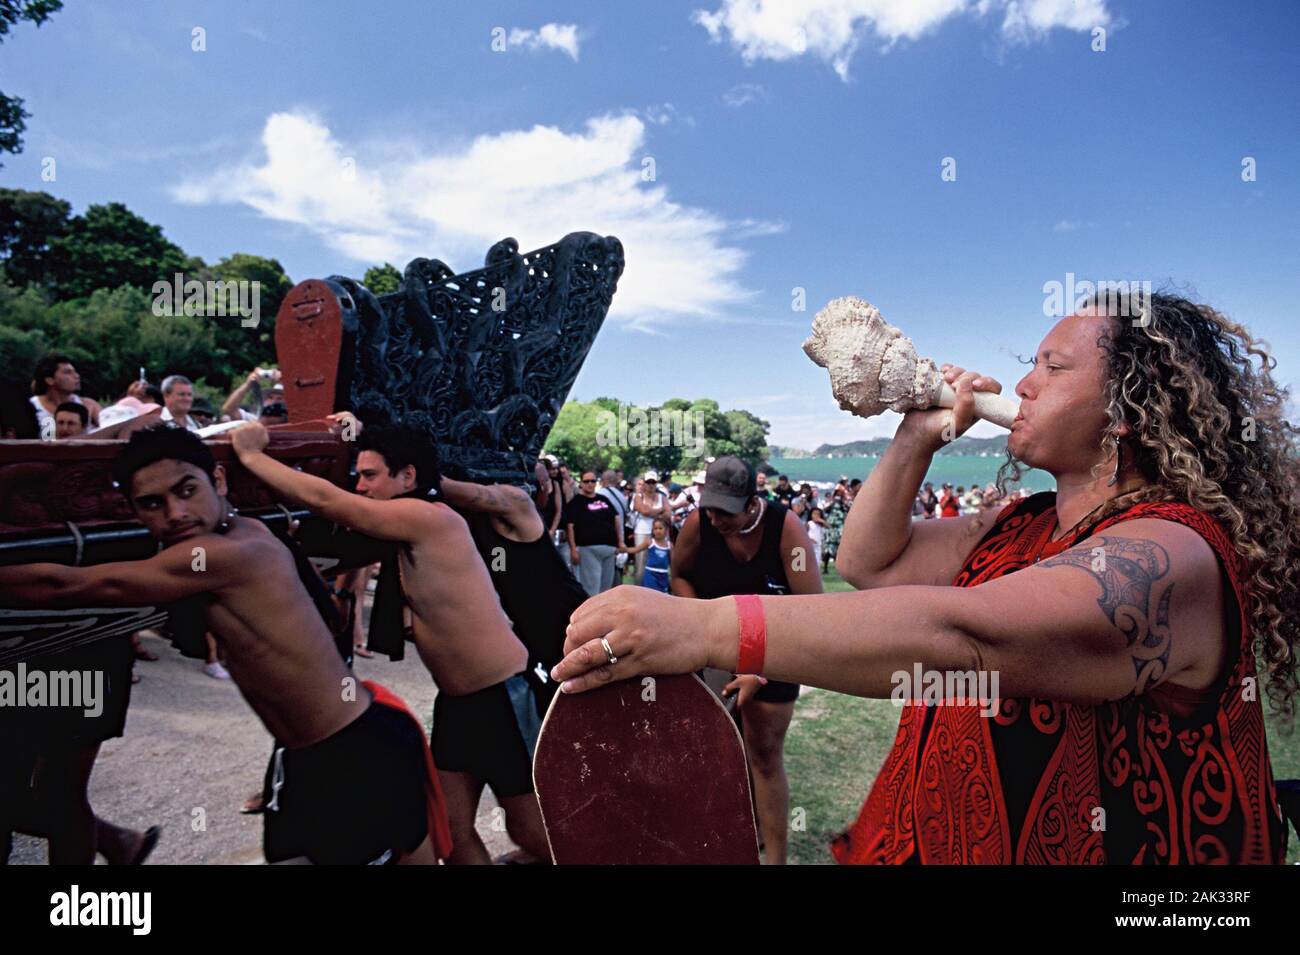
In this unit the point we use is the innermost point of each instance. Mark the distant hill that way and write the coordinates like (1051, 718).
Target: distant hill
(982, 447)
(777, 451)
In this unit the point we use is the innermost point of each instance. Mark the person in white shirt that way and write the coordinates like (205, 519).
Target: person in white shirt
(681, 504)
(648, 503)
(54, 382)
(816, 530)
(178, 398)
(264, 384)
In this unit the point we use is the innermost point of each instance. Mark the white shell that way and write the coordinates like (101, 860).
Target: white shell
(873, 366)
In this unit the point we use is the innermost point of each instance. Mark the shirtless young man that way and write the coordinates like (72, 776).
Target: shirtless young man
(485, 721)
(538, 591)
(349, 781)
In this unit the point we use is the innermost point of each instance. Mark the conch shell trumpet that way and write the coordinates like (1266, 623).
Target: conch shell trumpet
(874, 366)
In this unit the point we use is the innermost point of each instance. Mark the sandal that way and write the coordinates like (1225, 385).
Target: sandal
(253, 805)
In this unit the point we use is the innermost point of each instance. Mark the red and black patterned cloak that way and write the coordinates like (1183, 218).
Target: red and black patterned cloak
(1178, 776)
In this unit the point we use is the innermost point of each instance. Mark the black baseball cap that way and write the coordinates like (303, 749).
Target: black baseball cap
(728, 485)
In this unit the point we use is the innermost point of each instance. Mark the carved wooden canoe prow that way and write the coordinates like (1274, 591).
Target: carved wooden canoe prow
(481, 361)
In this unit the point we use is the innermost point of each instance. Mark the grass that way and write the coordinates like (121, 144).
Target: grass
(837, 744)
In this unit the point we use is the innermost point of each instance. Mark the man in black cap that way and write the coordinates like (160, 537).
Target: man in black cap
(737, 542)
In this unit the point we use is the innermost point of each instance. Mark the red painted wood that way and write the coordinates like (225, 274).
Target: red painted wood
(308, 338)
(45, 483)
(626, 780)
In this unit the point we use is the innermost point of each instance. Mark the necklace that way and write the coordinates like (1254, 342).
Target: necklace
(762, 507)
(1076, 524)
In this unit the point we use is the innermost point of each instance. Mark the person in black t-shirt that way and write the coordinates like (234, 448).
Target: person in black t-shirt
(591, 524)
(784, 491)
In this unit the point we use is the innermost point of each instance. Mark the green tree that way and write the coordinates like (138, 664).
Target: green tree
(247, 347)
(110, 246)
(12, 114)
(382, 279)
(19, 352)
(716, 428)
(607, 433)
(28, 222)
(748, 433)
(576, 437)
(101, 335)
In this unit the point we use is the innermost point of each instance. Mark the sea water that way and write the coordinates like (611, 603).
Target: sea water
(959, 470)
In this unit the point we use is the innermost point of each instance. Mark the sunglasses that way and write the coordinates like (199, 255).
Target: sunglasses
(588, 481)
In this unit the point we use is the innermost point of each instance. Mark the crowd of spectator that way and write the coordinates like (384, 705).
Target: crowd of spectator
(52, 407)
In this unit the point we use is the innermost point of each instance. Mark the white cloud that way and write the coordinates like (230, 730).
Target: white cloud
(1029, 19)
(551, 36)
(743, 93)
(663, 114)
(1072, 225)
(832, 29)
(371, 206)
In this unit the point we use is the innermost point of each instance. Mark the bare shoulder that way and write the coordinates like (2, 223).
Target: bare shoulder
(1150, 562)
(1151, 546)
(440, 520)
(247, 550)
(687, 544)
(793, 530)
(421, 514)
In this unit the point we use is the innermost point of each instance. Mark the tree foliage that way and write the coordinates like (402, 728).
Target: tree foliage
(28, 223)
(673, 437)
(382, 279)
(85, 286)
(12, 115)
(110, 246)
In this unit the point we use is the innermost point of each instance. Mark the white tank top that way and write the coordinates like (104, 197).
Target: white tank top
(43, 416)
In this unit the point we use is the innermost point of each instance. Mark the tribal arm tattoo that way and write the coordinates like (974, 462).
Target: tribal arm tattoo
(1135, 593)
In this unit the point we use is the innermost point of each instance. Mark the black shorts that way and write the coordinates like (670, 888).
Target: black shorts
(358, 797)
(101, 670)
(774, 691)
(489, 734)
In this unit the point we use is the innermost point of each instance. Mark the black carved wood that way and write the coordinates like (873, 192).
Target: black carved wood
(481, 361)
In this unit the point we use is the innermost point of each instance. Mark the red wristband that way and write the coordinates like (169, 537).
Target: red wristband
(753, 634)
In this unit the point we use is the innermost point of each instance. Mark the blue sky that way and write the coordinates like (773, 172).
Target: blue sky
(794, 145)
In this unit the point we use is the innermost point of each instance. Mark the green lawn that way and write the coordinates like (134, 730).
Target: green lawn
(836, 746)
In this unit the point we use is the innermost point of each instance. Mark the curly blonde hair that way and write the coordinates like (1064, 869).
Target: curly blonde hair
(1208, 428)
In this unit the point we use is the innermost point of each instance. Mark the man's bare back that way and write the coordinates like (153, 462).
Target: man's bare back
(462, 634)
